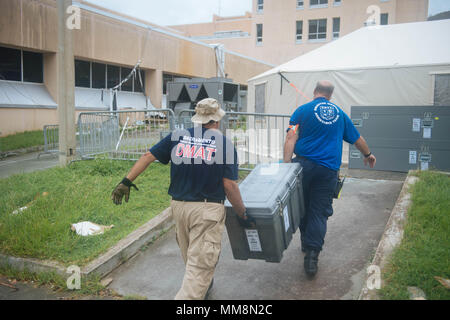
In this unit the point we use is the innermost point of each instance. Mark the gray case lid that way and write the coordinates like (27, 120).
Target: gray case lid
(266, 187)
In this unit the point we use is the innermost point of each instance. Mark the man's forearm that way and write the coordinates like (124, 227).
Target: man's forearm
(289, 146)
(234, 196)
(362, 146)
(140, 165)
(288, 151)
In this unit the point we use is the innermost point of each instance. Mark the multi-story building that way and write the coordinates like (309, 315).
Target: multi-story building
(279, 30)
(106, 46)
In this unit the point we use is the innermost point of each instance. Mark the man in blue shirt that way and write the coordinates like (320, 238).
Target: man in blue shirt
(315, 135)
(203, 170)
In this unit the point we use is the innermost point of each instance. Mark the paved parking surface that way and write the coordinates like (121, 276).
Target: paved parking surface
(359, 219)
(27, 163)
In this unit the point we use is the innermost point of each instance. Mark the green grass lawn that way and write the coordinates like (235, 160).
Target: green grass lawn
(22, 140)
(80, 192)
(425, 248)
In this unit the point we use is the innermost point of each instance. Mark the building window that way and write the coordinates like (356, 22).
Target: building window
(113, 76)
(298, 31)
(167, 78)
(98, 75)
(259, 34)
(32, 67)
(384, 19)
(260, 6)
(82, 74)
(128, 85)
(336, 27)
(138, 87)
(317, 29)
(300, 4)
(337, 3)
(318, 3)
(10, 64)
(18, 65)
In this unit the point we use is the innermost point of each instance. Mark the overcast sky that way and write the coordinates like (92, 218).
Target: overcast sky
(172, 12)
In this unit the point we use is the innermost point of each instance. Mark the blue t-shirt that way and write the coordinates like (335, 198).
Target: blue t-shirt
(321, 127)
(200, 159)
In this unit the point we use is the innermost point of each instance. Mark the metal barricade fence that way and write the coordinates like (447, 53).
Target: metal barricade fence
(258, 137)
(122, 135)
(51, 139)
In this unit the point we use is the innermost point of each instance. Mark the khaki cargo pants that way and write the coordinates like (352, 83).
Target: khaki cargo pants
(199, 227)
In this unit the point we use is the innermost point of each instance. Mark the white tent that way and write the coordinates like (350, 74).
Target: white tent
(378, 65)
(392, 65)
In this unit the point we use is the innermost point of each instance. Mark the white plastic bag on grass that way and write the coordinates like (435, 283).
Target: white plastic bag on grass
(87, 228)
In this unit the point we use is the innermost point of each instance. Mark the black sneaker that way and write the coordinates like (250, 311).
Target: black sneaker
(310, 262)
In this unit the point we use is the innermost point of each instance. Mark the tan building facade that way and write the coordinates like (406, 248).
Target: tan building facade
(106, 47)
(280, 30)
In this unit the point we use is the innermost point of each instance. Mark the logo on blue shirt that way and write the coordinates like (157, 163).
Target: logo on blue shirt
(326, 113)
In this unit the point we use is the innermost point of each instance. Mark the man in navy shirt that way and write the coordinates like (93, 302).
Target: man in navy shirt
(203, 170)
(315, 135)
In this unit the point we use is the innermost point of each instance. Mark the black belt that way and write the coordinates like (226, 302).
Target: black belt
(201, 200)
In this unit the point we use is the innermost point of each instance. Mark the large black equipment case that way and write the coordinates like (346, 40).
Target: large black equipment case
(273, 196)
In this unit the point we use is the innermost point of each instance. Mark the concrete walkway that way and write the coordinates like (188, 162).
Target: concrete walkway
(27, 163)
(359, 219)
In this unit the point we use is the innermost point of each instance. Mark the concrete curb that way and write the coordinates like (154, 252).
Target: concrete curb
(391, 238)
(18, 152)
(107, 262)
(129, 246)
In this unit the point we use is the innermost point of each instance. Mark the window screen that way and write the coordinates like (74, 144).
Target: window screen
(259, 33)
(98, 75)
(260, 5)
(82, 74)
(384, 18)
(442, 90)
(317, 29)
(137, 84)
(318, 2)
(336, 27)
(32, 67)
(298, 30)
(10, 64)
(260, 98)
(113, 74)
(128, 85)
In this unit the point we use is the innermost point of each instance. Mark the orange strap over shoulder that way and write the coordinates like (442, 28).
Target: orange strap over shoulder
(294, 127)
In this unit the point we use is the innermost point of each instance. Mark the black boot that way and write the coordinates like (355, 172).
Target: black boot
(311, 261)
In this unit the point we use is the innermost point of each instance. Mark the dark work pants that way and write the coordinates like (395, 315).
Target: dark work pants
(319, 183)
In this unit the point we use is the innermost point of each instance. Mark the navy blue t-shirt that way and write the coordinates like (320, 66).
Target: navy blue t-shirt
(321, 127)
(200, 159)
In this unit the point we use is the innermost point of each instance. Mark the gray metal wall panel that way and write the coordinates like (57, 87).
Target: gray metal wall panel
(399, 159)
(402, 122)
(403, 137)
